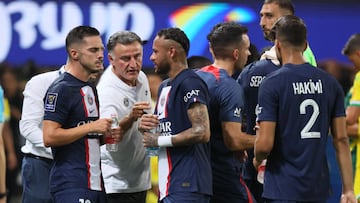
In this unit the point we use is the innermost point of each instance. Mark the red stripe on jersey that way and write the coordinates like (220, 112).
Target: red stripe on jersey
(87, 161)
(84, 104)
(166, 106)
(170, 169)
(213, 70)
(247, 190)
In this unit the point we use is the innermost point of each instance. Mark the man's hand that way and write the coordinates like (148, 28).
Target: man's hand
(150, 139)
(101, 126)
(139, 109)
(148, 122)
(348, 197)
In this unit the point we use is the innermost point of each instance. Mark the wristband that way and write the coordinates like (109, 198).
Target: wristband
(164, 141)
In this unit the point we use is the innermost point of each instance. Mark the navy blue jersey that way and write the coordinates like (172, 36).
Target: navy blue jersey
(186, 168)
(71, 103)
(226, 103)
(250, 79)
(303, 101)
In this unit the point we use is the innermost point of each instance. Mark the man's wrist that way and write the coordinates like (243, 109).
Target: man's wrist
(3, 194)
(164, 141)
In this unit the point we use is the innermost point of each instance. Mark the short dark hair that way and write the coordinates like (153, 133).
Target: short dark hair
(77, 35)
(223, 35)
(352, 44)
(283, 4)
(122, 37)
(197, 62)
(177, 35)
(291, 29)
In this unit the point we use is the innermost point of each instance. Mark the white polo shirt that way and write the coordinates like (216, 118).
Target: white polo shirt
(128, 169)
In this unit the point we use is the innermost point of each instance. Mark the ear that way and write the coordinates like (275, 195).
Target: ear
(110, 58)
(172, 51)
(236, 54)
(277, 43)
(357, 52)
(210, 49)
(306, 45)
(74, 54)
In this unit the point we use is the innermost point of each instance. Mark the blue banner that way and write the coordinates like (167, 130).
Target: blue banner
(36, 30)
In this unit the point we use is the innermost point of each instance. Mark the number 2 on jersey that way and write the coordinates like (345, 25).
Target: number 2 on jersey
(305, 132)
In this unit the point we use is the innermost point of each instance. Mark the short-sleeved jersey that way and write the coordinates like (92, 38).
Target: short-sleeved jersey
(226, 103)
(303, 101)
(184, 168)
(250, 79)
(71, 103)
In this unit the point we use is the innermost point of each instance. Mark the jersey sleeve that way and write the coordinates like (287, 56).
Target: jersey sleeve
(268, 105)
(194, 90)
(57, 104)
(339, 101)
(231, 102)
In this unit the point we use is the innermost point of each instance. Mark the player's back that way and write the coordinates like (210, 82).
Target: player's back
(305, 100)
(250, 79)
(226, 102)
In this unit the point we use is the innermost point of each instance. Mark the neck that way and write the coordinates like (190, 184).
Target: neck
(77, 71)
(176, 69)
(227, 65)
(293, 57)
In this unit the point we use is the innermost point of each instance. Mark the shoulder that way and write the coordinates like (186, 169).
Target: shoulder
(44, 78)
(142, 77)
(258, 68)
(60, 84)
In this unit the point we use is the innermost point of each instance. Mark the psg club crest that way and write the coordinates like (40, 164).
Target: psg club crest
(126, 102)
(90, 100)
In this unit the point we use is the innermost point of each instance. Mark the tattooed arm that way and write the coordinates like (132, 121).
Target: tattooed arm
(200, 130)
(198, 133)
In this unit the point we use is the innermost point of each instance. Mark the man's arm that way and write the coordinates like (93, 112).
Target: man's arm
(137, 111)
(33, 112)
(200, 130)
(264, 141)
(341, 145)
(54, 135)
(353, 130)
(198, 133)
(352, 114)
(234, 138)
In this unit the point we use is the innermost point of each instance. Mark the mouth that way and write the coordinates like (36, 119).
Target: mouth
(133, 71)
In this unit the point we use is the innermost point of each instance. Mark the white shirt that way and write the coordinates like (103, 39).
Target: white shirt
(128, 169)
(32, 115)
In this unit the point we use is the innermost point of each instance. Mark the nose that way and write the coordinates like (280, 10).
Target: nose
(101, 54)
(152, 57)
(262, 23)
(133, 62)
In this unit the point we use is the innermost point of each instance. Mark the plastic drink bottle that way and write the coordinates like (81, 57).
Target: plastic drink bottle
(153, 151)
(261, 172)
(111, 145)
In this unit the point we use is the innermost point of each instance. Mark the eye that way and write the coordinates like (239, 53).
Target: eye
(125, 58)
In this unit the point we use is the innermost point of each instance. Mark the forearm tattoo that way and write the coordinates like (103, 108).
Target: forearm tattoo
(199, 117)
